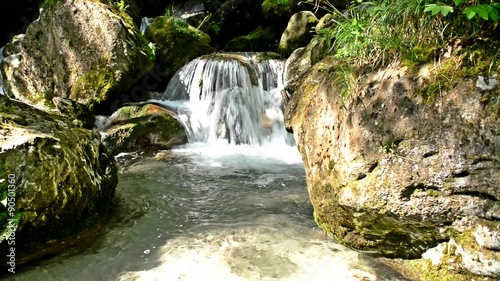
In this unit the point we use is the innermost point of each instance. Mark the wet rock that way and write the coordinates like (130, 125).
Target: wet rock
(64, 177)
(147, 127)
(79, 50)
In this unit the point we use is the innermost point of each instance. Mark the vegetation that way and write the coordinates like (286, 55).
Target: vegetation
(379, 31)
(458, 38)
(49, 3)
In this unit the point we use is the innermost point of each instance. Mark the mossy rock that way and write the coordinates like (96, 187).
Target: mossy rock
(144, 128)
(259, 40)
(64, 177)
(177, 42)
(298, 32)
(89, 56)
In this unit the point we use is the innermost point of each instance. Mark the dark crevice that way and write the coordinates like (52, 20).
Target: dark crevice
(482, 159)
(430, 153)
(372, 167)
(410, 189)
(361, 176)
(460, 174)
(477, 194)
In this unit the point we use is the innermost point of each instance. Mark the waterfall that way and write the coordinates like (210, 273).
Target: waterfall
(234, 97)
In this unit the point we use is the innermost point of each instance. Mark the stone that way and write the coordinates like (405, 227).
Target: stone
(391, 173)
(64, 178)
(488, 236)
(145, 128)
(79, 50)
(298, 32)
(171, 36)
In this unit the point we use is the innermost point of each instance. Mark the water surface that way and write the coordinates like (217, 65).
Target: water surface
(211, 212)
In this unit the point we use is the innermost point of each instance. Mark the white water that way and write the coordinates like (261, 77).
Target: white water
(234, 99)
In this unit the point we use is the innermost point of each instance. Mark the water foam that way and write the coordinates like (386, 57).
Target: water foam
(256, 254)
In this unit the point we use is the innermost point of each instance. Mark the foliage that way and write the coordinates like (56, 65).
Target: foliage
(472, 10)
(457, 38)
(376, 32)
(170, 11)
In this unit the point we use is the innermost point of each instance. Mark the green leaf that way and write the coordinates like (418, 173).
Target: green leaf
(433, 8)
(496, 5)
(445, 10)
(458, 2)
(469, 12)
(482, 12)
(494, 15)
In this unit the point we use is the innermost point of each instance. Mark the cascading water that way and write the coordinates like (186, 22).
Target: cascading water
(236, 97)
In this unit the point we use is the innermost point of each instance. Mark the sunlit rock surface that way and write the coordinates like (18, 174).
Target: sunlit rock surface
(77, 49)
(149, 127)
(298, 32)
(390, 172)
(64, 177)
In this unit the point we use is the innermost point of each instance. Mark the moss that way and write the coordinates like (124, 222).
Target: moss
(135, 125)
(98, 81)
(277, 8)
(258, 40)
(171, 37)
(414, 58)
(432, 192)
(423, 270)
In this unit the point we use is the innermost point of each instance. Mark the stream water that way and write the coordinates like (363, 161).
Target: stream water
(230, 205)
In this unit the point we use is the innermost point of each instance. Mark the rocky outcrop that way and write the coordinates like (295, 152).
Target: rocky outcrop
(148, 127)
(393, 171)
(61, 177)
(79, 50)
(172, 37)
(298, 32)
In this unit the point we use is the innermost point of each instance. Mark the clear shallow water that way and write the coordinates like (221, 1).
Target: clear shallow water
(211, 212)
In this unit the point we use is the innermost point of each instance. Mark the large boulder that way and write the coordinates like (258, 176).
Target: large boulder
(393, 171)
(177, 42)
(79, 50)
(148, 127)
(55, 178)
(298, 32)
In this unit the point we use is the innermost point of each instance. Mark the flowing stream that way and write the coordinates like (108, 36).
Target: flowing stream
(230, 205)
